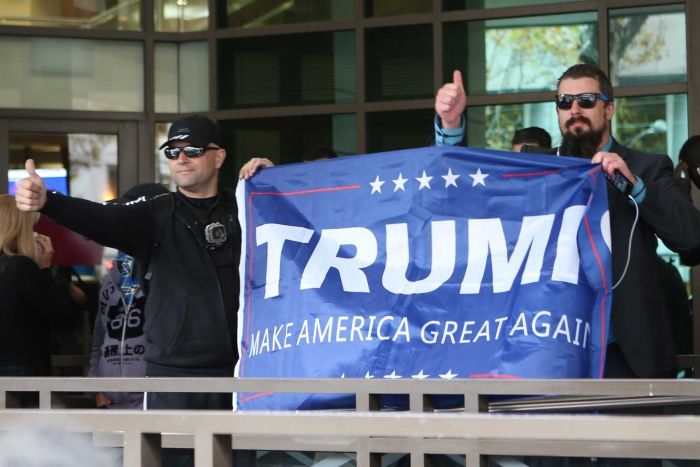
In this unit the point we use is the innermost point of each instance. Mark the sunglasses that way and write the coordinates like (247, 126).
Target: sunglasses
(190, 151)
(586, 100)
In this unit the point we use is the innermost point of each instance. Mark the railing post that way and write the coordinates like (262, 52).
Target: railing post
(417, 458)
(416, 401)
(212, 450)
(142, 449)
(45, 399)
(475, 403)
(363, 458)
(473, 456)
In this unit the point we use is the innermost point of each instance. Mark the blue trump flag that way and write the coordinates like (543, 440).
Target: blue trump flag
(425, 263)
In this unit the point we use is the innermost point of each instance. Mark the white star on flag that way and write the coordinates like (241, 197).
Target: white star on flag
(420, 375)
(392, 375)
(450, 178)
(479, 178)
(424, 181)
(368, 376)
(376, 185)
(448, 375)
(399, 183)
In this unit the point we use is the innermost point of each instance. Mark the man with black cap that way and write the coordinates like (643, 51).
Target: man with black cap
(188, 245)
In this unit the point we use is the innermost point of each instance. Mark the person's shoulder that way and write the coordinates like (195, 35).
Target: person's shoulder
(19, 263)
(532, 149)
(158, 204)
(627, 151)
(641, 158)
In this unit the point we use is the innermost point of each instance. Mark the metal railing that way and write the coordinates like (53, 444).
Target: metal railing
(367, 432)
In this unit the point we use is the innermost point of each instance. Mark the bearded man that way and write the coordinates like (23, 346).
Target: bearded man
(640, 343)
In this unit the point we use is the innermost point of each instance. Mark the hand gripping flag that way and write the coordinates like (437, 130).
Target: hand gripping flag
(425, 263)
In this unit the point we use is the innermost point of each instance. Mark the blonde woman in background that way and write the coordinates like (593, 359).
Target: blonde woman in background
(30, 300)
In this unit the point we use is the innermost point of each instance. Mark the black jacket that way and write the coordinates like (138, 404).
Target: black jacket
(186, 326)
(31, 304)
(640, 321)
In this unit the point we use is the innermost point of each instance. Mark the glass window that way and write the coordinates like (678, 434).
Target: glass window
(81, 165)
(647, 45)
(450, 5)
(399, 63)
(315, 68)
(255, 13)
(182, 77)
(656, 124)
(71, 74)
(397, 7)
(181, 15)
(492, 126)
(389, 131)
(79, 14)
(519, 54)
(285, 139)
(167, 98)
(162, 169)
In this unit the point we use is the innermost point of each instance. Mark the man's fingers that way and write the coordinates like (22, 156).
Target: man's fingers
(447, 95)
(29, 187)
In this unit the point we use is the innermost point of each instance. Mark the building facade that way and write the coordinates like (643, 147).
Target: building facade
(89, 87)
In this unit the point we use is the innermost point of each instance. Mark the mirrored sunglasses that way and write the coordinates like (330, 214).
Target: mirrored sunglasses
(586, 100)
(190, 151)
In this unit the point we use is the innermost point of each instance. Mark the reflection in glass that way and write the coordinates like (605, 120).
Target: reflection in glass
(397, 7)
(88, 162)
(285, 139)
(389, 131)
(181, 15)
(519, 54)
(656, 124)
(162, 169)
(315, 68)
(492, 126)
(450, 5)
(647, 45)
(71, 74)
(252, 13)
(399, 63)
(177, 88)
(78, 14)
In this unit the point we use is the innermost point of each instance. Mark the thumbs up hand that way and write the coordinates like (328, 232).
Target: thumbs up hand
(450, 101)
(31, 191)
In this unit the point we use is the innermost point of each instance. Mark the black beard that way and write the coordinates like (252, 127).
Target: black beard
(582, 145)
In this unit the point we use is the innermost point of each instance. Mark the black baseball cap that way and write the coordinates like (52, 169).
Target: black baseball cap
(139, 193)
(197, 130)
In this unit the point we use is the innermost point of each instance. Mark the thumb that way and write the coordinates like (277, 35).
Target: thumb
(457, 78)
(30, 167)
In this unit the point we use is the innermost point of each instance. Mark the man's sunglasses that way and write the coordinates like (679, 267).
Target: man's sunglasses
(190, 151)
(586, 100)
